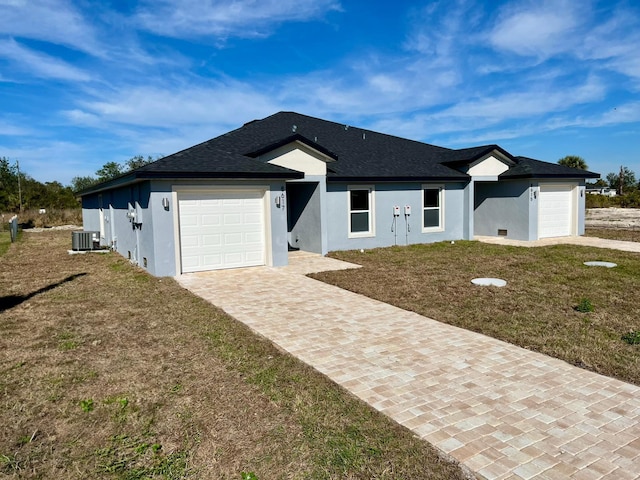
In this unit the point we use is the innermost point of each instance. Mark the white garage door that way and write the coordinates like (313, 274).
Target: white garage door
(556, 211)
(221, 230)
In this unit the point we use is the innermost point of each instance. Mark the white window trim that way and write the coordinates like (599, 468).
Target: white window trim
(372, 207)
(441, 196)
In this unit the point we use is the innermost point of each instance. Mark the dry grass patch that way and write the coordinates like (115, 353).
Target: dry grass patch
(5, 241)
(107, 372)
(536, 310)
(625, 234)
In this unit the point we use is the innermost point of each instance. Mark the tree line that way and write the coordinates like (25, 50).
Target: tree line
(19, 191)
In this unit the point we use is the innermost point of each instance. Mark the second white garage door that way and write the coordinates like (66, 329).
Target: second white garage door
(556, 211)
(221, 230)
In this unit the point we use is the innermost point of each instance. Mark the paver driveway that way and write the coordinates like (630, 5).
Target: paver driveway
(503, 411)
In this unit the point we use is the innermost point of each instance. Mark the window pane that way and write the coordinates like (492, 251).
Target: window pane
(431, 197)
(359, 222)
(432, 218)
(359, 199)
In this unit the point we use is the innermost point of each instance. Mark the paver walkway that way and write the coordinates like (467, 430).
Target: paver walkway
(503, 411)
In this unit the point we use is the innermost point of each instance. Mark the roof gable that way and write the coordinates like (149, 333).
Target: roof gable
(489, 165)
(298, 156)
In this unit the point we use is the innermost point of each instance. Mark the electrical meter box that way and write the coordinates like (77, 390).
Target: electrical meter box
(396, 211)
(407, 209)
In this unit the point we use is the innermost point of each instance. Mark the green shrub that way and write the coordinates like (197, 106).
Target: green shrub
(585, 306)
(632, 338)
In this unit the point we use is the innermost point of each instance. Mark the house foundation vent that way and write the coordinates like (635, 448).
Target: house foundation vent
(85, 241)
(502, 232)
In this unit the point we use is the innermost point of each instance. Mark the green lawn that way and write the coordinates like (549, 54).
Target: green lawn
(536, 310)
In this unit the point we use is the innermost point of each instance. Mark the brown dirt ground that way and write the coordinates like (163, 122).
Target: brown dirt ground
(179, 389)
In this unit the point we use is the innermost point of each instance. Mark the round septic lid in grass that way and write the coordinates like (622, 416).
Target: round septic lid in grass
(489, 282)
(601, 264)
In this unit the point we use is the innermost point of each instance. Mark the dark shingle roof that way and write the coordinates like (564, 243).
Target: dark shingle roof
(205, 160)
(359, 153)
(354, 154)
(465, 156)
(530, 168)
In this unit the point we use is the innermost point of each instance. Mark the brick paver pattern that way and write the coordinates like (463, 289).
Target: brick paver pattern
(503, 411)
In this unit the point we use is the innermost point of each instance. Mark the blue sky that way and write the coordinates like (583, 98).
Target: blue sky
(84, 82)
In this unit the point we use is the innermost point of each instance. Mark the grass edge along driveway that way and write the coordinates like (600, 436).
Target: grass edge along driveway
(539, 307)
(107, 372)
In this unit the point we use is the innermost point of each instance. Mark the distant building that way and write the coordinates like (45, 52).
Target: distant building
(606, 191)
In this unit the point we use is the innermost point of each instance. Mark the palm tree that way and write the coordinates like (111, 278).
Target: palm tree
(573, 161)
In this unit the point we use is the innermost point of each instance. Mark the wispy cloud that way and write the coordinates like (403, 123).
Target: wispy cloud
(538, 29)
(39, 64)
(55, 21)
(180, 105)
(150, 77)
(10, 129)
(241, 18)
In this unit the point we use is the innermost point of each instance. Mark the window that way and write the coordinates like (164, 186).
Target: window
(360, 211)
(432, 208)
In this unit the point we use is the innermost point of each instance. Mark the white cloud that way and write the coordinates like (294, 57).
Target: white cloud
(614, 44)
(39, 64)
(243, 18)
(540, 29)
(179, 105)
(523, 104)
(81, 118)
(55, 21)
(9, 129)
(625, 113)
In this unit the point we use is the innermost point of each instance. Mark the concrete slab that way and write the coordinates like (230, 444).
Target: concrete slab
(584, 241)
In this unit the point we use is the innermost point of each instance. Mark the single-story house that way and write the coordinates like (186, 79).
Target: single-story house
(606, 191)
(290, 181)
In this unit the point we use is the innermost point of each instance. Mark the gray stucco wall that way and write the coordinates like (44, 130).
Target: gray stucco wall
(386, 197)
(131, 238)
(514, 206)
(278, 217)
(152, 237)
(503, 206)
(582, 198)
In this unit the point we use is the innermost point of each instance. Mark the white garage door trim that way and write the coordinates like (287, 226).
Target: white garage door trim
(557, 210)
(221, 228)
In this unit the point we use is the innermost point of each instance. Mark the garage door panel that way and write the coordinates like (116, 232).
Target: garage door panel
(233, 218)
(232, 239)
(252, 218)
(211, 259)
(190, 241)
(253, 239)
(213, 220)
(221, 230)
(211, 240)
(254, 256)
(189, 220)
